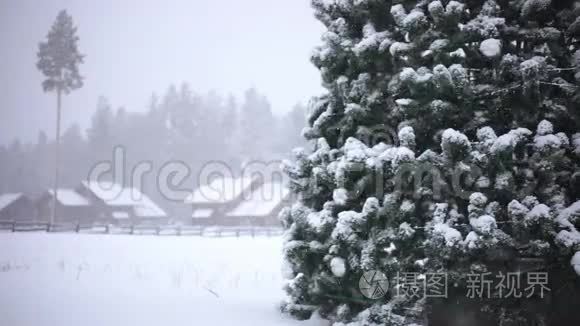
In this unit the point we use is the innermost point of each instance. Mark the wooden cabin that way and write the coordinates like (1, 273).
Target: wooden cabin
(122, 205)
(72, 207)
(210, 202)
(261, 207)
(16, 207)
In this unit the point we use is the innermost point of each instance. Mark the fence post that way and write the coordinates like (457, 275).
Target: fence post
(78, 228)
(13, 226)
(178, 231)
(47, 227)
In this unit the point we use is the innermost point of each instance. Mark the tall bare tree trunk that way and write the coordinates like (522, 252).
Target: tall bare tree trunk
(56, 158)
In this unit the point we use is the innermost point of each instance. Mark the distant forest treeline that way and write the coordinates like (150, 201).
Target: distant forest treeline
(179, 126)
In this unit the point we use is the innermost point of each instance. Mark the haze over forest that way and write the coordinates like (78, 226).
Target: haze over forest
(134, 48)
(188, 81)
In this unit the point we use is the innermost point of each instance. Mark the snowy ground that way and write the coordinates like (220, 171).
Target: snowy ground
(68, 279)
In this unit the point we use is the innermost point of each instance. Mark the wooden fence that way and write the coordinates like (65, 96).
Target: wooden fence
(168, 230)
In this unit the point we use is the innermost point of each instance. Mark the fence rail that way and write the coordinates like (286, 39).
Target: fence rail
(138, 229)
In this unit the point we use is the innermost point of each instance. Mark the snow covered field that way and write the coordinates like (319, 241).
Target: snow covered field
(69, 279)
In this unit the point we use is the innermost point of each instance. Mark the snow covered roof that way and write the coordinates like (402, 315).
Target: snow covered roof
(113, 194)
(262, 201)
(69, 197)
(7, 199)
(219, 190)
(202, 213)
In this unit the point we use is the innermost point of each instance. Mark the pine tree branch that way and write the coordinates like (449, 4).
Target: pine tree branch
(560, 85)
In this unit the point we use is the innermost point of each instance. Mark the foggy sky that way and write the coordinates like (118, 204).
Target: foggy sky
(136, 47)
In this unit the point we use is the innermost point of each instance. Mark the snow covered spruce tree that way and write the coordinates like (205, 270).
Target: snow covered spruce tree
(446, 142)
